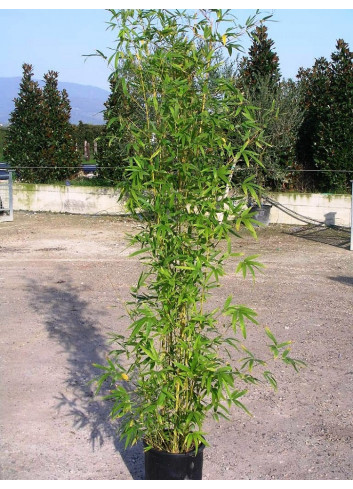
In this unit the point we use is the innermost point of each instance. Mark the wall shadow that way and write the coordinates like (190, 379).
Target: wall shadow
(71, 322)
(332, 235)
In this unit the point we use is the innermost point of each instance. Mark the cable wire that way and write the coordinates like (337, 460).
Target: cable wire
(300, 217)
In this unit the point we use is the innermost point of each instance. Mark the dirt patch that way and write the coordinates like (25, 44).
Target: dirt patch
(63, 283)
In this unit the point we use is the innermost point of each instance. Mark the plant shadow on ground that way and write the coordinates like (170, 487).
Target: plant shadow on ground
(334, 236)
(343, 280)
(71, 322)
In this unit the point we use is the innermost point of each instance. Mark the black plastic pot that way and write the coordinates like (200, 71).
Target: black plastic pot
(161, 465)
(262, 213)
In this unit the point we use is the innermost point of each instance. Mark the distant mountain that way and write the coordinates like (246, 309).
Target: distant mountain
(87, 102)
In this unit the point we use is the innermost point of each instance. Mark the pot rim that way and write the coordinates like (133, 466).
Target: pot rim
(183, 454)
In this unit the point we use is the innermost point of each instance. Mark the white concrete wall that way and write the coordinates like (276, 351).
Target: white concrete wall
(334, 209)
(329, 208)
(71, 199)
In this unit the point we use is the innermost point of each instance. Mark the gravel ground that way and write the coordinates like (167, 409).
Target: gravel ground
(63, 282)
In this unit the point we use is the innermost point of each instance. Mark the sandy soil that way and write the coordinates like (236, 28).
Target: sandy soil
(63, 282)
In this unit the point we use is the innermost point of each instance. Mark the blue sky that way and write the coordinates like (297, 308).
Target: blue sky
(58, 39)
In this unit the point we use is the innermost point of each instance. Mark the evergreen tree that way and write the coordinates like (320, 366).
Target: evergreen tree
(262, 63)
(25, 139)
(113, 152)
(59, 155)
(110, 155)
(280, 115)
(340, 139)
(314, 84)
(277, 106)
(39, 142)
(326, 135)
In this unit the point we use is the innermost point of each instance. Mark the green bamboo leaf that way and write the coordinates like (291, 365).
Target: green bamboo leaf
(124, 86)
(270, 378)
(184, 267)
(156, 153)
(139, 252)
(161, 399)
(227, 303)
(270, 335)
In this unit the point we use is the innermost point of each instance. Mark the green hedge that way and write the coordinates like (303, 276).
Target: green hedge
(2, 140)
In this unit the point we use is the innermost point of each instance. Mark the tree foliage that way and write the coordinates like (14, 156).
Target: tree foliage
(326, 135)
(113, 151)
(86, 132)
(3, 133)
(59, 156)
(280, 114)
(262, 62)
(278, 109)
(24, 139)
(40, 145)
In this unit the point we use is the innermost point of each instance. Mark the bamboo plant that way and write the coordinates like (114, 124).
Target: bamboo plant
(181, 360)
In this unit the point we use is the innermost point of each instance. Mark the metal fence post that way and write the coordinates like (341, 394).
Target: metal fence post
(6, 194)
(10, 196)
